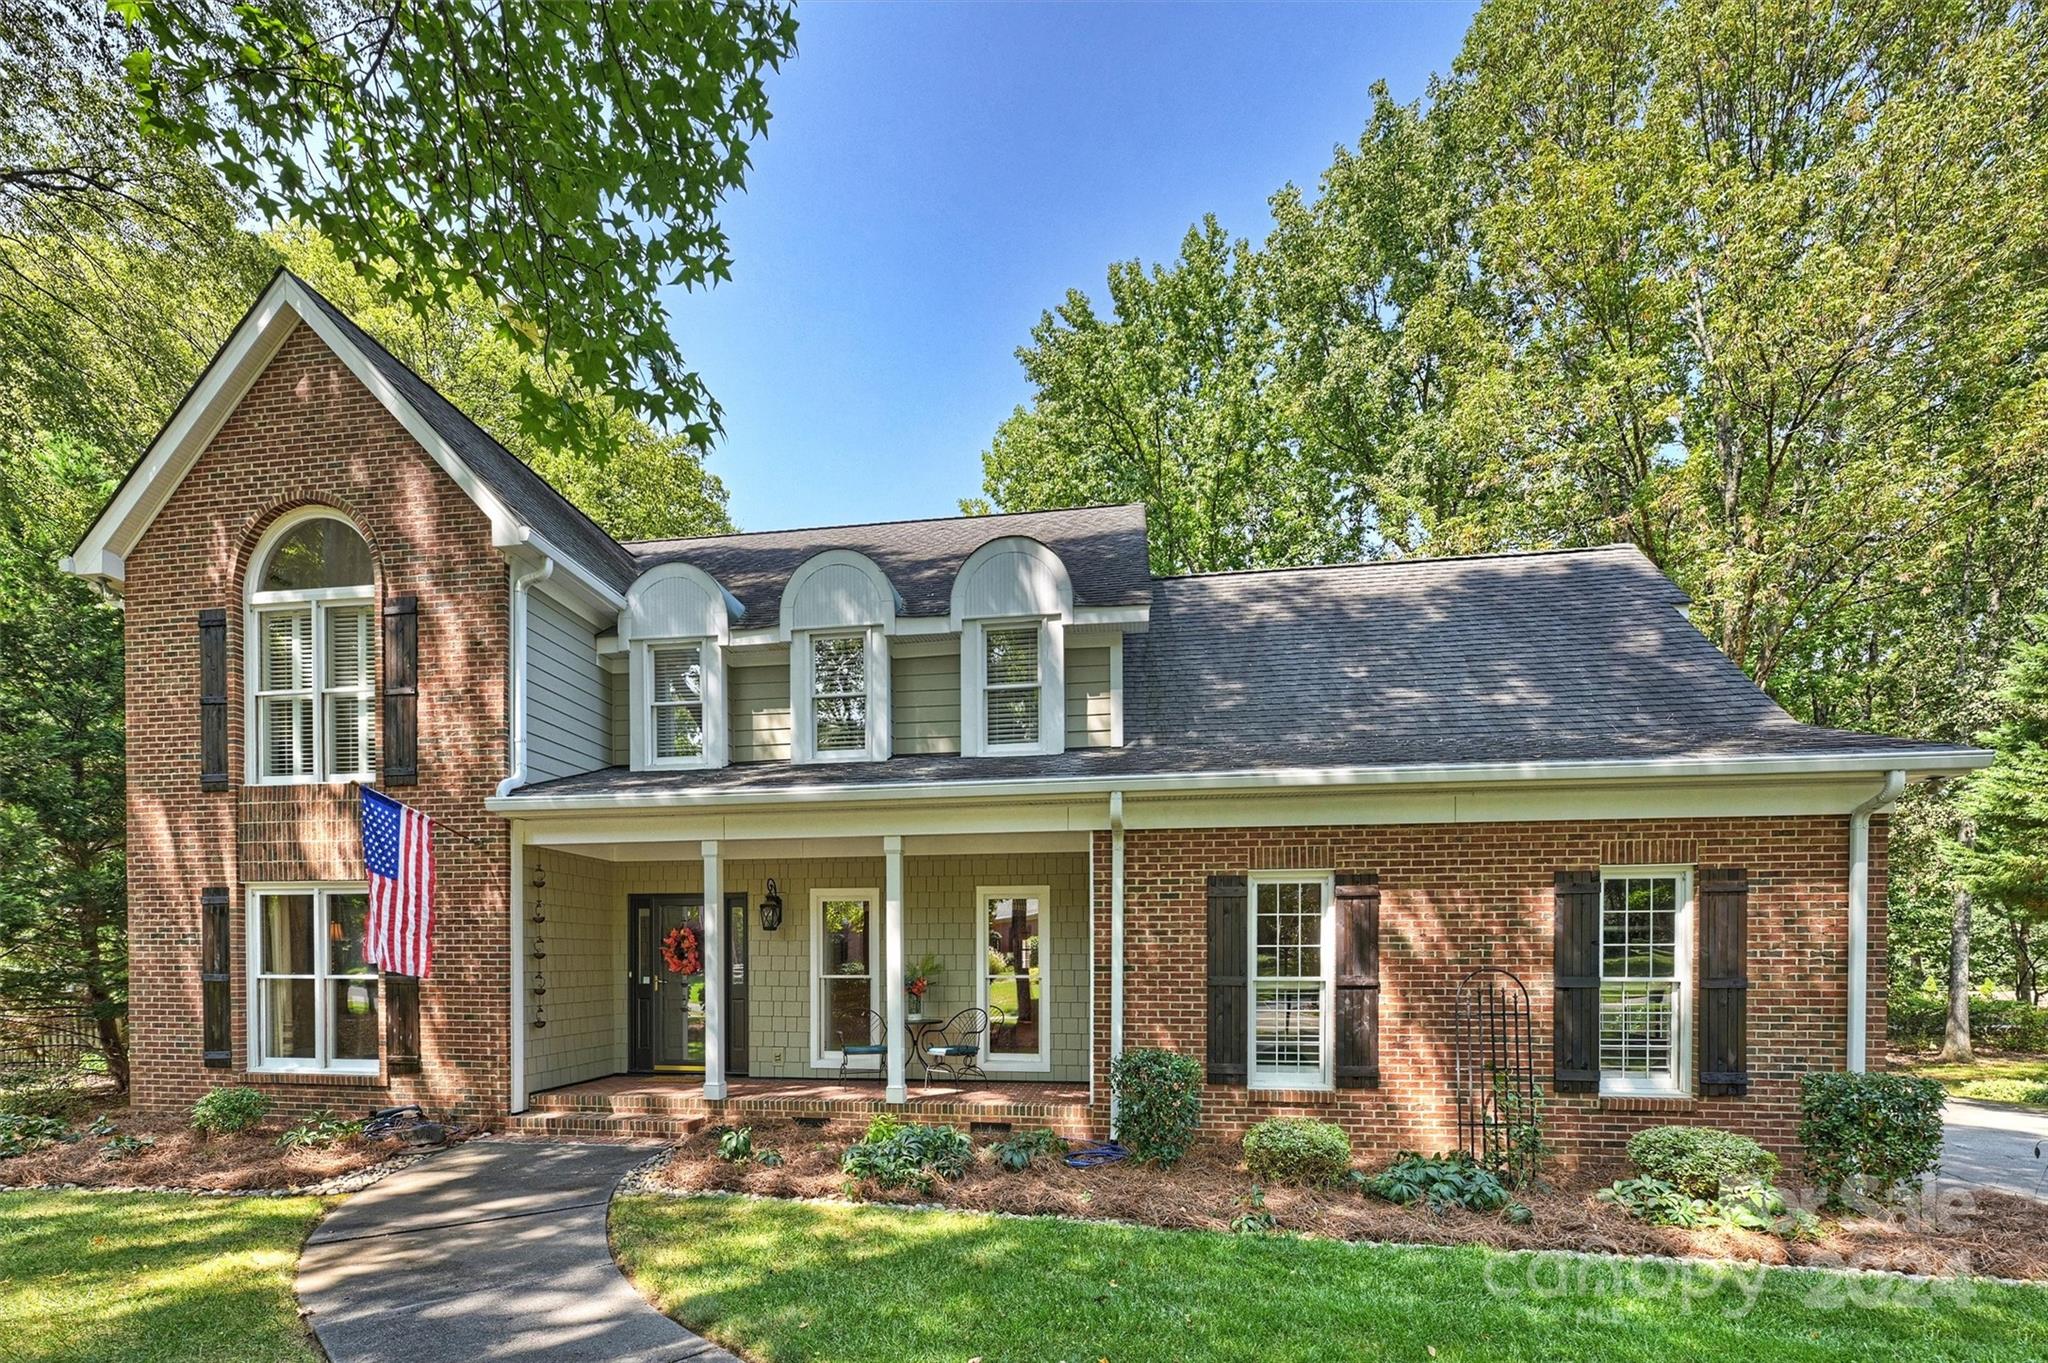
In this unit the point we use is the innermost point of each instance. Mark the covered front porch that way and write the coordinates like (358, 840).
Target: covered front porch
(667, 1105)
(636, 1011)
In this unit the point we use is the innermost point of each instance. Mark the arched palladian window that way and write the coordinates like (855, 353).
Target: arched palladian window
(311, 652)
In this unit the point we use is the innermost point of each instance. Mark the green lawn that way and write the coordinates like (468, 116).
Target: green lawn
(2018, 1079)
(781, 1281)
(136, 1278)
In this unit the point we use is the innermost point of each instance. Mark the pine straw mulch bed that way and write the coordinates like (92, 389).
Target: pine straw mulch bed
(1980, 1233)
(184, 1159)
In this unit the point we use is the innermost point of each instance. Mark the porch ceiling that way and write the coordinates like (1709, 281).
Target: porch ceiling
(627, 845)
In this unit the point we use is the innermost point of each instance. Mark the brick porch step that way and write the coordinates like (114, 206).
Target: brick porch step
(601, 1125)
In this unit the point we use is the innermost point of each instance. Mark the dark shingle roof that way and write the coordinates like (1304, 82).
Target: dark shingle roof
(1103, 548)
(1571, 656)
(531, 497)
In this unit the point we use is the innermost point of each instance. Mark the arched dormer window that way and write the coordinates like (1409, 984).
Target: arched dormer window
(1012, 601)
(311, 653)
(676, 624)
(837, 613)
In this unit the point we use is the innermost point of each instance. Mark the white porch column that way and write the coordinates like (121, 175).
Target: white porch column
(516, 940)
(893, 1009)
(715, 973)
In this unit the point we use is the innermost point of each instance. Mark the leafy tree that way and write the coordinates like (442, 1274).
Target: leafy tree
(1166, 402)
(566, 159)
(63, 915)
(2006, 864)
(634, 480)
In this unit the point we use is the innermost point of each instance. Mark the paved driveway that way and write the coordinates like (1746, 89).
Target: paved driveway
(492, 1250)
(1988, 1146)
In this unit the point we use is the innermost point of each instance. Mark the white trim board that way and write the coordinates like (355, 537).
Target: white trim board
(284, 305)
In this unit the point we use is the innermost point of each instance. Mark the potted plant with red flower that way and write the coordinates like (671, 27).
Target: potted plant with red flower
(918, 982)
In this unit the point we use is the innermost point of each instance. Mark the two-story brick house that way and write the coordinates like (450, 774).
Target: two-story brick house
(1272, 819)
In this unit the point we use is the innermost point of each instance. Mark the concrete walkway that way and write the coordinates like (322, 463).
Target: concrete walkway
(492, 1250)
(1987, 1146)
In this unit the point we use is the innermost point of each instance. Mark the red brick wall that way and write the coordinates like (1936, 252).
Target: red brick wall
(307, 432)
(1456, 897)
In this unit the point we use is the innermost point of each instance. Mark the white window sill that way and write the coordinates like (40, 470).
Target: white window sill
(1306, 1083)
(358, 1070)
(1611, 1089)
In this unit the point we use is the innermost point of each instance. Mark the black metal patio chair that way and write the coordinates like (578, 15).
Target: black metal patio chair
(869, 1039)
(954, 1047)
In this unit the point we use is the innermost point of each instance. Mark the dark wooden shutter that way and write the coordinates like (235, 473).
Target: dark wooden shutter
(401, 739)
(215, 1041)
(1229, 976)
(401, 1024)
(213, 700)
(1358, 981)
(1575, 965)
(1724, 982)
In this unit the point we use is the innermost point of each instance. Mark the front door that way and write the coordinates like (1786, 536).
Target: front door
(668, 1003)
(665, 1027)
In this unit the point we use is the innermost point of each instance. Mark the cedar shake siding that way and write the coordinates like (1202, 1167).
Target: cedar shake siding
(307, 433)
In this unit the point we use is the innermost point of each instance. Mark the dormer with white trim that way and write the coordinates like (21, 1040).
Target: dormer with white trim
(1012, 603)
(837, 613)
(675, 628)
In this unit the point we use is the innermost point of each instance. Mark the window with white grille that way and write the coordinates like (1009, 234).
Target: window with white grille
(1292, 955)
(1644, 917)
(1013, 683)
(676, 701)
(312, 645)
(839, 693)
(313, 992)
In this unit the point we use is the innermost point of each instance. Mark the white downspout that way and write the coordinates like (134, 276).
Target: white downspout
(517, 721)
(1859, 917)
(1116, 941)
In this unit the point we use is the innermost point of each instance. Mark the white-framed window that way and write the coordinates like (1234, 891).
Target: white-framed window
(1292, 981)
(313, 998)
(840, 690)
(846, 979)
(1015, 953)
(1013, 687)
(679, 706)
(311, 653)
(1645, 979)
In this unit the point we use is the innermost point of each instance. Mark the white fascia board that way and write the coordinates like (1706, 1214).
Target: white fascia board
(247, 353)
(1130, 619)
(1920, 764)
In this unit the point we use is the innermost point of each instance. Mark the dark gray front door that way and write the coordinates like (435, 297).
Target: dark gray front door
(666, 1030)
(736, 988)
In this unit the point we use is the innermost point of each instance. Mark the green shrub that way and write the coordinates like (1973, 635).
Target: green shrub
(22, 1133)
(894, 1154)
(1660, 1203)
(321, 1129)
(737, 1145)
(122, 1147)
(41, 1096)
(1917, 1020)
(1702, 1161)
(1158, 1103)
(228, 1110)
(1016, 1152)
(1440, 1182)
(1297, 1150)
(1875, 1133)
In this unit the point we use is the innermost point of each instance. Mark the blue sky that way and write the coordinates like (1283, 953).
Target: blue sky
(938, 175)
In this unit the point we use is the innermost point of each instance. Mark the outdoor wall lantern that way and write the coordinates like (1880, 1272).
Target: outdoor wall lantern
(771, 910)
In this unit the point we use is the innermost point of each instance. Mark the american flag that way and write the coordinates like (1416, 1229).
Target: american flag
(398, 852)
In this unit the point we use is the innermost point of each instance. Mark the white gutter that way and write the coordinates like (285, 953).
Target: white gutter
(1043, 787)
(1859, 916)
(1116, 942)
(520, 583)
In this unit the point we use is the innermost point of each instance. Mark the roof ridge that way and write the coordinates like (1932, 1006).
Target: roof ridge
(1409, 561)
(633, 545)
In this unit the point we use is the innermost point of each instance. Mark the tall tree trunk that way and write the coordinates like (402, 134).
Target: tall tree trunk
(1955, 1043)
(2025, 981)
